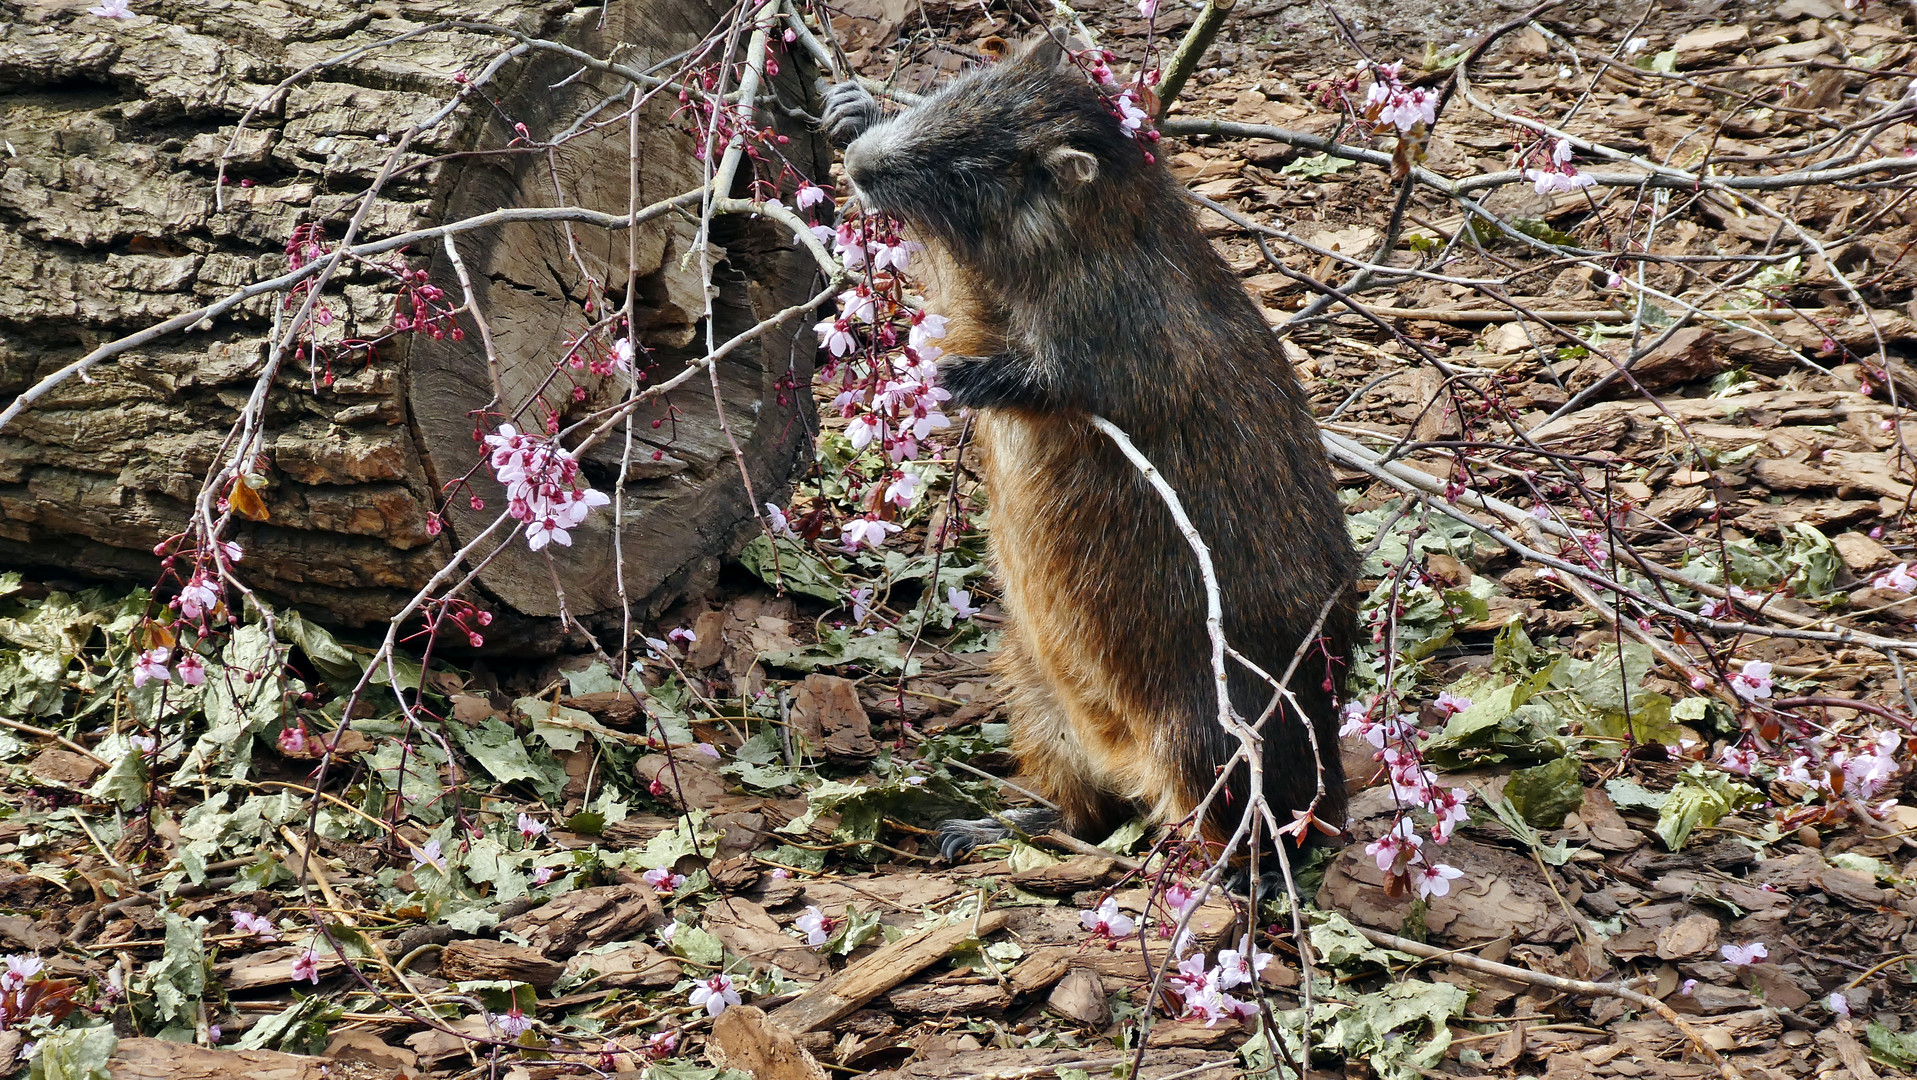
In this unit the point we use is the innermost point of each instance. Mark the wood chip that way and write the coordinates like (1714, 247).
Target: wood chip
(743, 1039)
(846, 992)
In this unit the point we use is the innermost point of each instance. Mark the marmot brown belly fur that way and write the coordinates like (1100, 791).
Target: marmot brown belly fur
(1077, 283)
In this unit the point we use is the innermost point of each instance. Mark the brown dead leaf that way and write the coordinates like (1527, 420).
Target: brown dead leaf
(827, 715)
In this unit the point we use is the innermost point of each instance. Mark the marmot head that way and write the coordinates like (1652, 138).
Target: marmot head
(1005, 161)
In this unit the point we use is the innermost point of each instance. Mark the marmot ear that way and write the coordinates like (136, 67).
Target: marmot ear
(1044, 54)
(1071, 167)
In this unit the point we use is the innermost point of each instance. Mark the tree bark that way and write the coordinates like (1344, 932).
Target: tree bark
(109, 223)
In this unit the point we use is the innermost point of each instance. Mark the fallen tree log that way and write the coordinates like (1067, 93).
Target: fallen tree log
(111, 220)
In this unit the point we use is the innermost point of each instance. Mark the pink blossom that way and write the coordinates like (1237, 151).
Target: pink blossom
(961, 601)
(663, 1044)
(1107, 921)
(1897, 579)
(926, 327)
(111, 9)
(530, 828)
(1838, 1004)
(306, 966)
(198, 598)
(192, 669)
(1130, 117)
(19, 969)
(1450, 810)
(777, 521)
(1147, 9)
(514, 1023)
(1401, 843)
(248, 923)
(543, 875)
(1738, 759)
(715, 993)
(430, 856)
(292, 740)
(1688, 987)
(1753, 682)
(858, 304)
(1450, 704)
(681, 635)
(818, 926)
(867, 531)
(151, 666)
(903, 491)
(1742, 955)
(1435, 880)
(666, 882)
(1396, 105)
(1236, 968)
(1181, 898)
(808, 195)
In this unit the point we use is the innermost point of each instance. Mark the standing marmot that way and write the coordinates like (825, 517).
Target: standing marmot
(1077, 282)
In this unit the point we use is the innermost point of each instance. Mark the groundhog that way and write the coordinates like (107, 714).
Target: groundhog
(1076, 283)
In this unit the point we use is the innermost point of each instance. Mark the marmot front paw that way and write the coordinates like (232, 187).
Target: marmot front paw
(849, 110)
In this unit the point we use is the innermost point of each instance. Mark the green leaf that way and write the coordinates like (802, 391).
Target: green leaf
(669, 1071)
(1126, 836)
(883, 651)
(1383, 1027)
(1317, 165)
(1541, 230)
(340, 666)
(698, 946)
(561, 728)
(596, 678)
(499, 750)
(688, 836)
(1545, 794)
(1339, 944)
(1813, 561)
(783, 562)
(125, 783)
(1898, 1048)
(1700, 799)
(857, 929)
(1556, 854)
(178, 977)
(74, 1054)
(303, 1027)
(1630, 795)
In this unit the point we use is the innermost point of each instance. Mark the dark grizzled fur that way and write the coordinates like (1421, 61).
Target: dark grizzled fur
(1104, 298)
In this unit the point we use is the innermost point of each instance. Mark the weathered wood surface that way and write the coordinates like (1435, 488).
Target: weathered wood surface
(108, 223)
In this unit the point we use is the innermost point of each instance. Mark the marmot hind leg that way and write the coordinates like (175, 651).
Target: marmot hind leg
(1051, 764)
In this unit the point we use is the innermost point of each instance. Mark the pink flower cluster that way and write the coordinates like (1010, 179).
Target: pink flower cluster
(1202, 989)
(1389, 103)
(1400, 852)
(150, 666)
(543, 486)
(1558, 174)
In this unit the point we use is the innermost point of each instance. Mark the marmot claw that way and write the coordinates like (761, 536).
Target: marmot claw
(849, 110)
